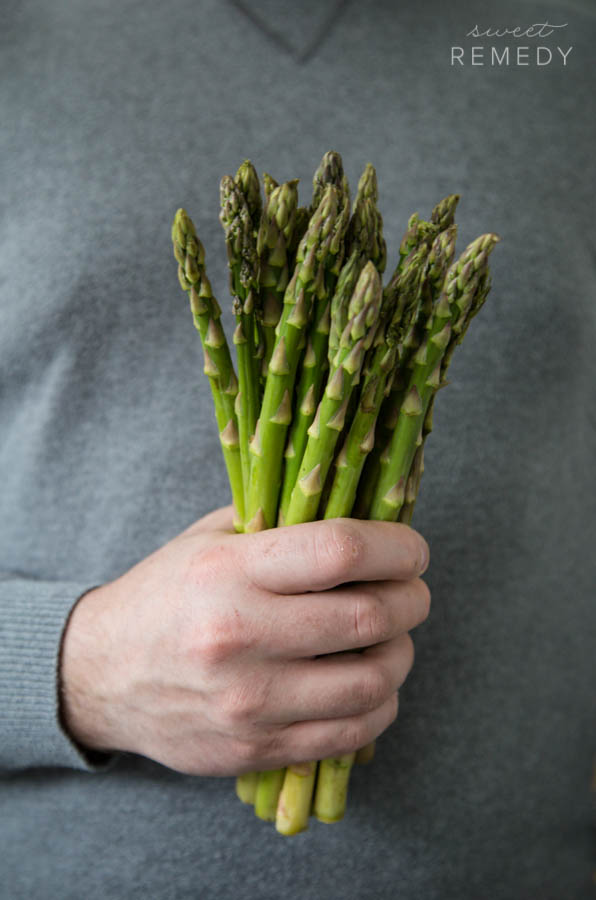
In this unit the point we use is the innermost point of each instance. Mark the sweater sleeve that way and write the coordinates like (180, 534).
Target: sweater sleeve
(33, 619)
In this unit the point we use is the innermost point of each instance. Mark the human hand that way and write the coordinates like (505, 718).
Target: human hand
(224, 653)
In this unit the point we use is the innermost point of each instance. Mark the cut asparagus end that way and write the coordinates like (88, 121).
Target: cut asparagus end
(293, 808)
(332, 788)
(267, 794)
(365, 755)
(246, 787)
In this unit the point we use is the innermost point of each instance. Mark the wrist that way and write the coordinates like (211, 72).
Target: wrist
(83, 676)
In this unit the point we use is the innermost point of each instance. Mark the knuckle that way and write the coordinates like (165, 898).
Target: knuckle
(351, 736)
(218, 639)
(245, 752)
(208, 562)
(339, 549)
(243, 703)
(271, 746)
(372, 622)
(373, 689)
(257, 751)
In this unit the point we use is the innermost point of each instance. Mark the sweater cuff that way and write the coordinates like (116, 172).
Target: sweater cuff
(34, 617)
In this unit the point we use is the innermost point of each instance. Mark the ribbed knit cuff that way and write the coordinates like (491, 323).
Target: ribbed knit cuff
(33, 618)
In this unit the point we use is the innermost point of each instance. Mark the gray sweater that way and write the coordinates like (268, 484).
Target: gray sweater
(116, 113)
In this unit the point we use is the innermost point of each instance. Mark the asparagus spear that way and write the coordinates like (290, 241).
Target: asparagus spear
(293, 808)
(242, 261)
(267, 446)
(190, 255)
(269, 184)
(332, 788)
(295, 798)
(443, 214)
(365, 230)
(348, 278)
(433, 275)
(402, 295)
(306, 409)
(463, 280)
(357, 337)
(314, 363)
(361, 435)
(366, 754)
(246, 787)
(415, 475)
(313, 371)
(364, 238)
(440, 259)
(302, 220)
(269, 785)
(274, 236)
(247, 180)
(418, 232)
(330, 171)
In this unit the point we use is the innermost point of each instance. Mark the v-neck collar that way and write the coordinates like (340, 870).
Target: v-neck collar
(299, 32)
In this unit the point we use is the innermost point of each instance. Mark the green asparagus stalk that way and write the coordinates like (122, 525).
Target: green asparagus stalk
(366, 754)
(242, 261)
(373, 427)
(314, 363)
(439, 259)
(269, 184)
(417, 469)
(413, 482)
(293, 807)
(274, 237)
(418, 232)
(313, 371)
(330, 171)
(451, 312)
(268, 443)
(247, 180)
(403, 297)
(443, 214)
(332, 788)
(348, 278)
(246, 787)
(269, 785)
(364, 237)
(190, 255)
(400, 305)
(300, 228)
(329, 421)
(296, 796)
(360, 438)
(365, 231)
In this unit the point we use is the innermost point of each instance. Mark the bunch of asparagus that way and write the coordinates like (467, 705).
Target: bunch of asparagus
(336, 376)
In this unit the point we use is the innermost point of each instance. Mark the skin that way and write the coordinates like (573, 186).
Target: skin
(224, 653)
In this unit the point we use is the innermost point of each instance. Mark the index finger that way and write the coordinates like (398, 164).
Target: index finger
(321, 555)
